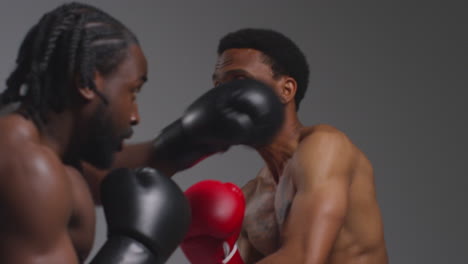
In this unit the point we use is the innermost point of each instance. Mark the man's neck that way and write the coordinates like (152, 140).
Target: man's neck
(283, 146)
(58, 133)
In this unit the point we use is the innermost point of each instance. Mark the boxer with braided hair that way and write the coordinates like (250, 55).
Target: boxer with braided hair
(70, 39)
(77, 76)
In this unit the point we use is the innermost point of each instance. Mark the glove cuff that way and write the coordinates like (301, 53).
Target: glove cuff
(228, 253)
(124, 250)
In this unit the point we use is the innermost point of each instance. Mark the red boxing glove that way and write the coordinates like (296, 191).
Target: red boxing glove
(217, 214)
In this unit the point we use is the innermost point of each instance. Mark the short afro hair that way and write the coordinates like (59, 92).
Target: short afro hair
(283, 55)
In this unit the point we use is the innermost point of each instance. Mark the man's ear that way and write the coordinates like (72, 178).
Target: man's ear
(288, 89)
(86, 92)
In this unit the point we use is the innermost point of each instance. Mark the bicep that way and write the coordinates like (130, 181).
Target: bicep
(315, 219)
(143, 155)
(324, 166)
(309, 231)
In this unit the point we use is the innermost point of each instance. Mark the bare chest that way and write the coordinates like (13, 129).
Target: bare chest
(81, 226)
(266, 212)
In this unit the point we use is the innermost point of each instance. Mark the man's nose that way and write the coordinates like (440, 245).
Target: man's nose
(135, 117)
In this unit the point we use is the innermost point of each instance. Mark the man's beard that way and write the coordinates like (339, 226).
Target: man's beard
(103, 140)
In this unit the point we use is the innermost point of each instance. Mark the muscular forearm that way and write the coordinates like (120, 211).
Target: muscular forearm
(123, 250)
(143, 155)
(132, 156)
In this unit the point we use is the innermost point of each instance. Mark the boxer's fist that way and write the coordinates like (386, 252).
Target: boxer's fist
(239, 112)
(217, 214)
(147, 216)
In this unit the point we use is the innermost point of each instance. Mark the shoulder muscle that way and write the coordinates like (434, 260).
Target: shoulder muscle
(324, 153)
(34, 192)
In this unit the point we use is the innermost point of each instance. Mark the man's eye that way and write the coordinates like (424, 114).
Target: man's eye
(239, 77)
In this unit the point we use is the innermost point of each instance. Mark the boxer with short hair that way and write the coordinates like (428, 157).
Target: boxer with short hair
(77, 76)
(314, 201)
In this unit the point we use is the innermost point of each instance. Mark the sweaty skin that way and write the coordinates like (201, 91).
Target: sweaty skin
(314, 201)
(322, 196)
(47, 213)
(46, 206)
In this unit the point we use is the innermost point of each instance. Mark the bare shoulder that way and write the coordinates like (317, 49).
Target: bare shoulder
(36, 197)
(16, 130)
(323, 152)
(329, 137)
(21, 148)
(27, 165)
(324, 137)
(322, 132)
(31, 178)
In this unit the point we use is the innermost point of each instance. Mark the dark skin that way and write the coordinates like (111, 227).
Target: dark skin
(132, 156)
(47, 213)
(314, 201)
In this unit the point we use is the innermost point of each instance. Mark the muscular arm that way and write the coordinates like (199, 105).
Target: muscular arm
(132, 156)
(322, 169)
(35, 209)
(239, 112)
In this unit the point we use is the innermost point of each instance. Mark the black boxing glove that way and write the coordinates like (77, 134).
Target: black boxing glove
(147, 217)
(239, 112)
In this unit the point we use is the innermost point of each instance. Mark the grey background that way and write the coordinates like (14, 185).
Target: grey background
(392, 75)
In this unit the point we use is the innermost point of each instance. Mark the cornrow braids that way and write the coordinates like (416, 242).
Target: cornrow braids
(63, 50)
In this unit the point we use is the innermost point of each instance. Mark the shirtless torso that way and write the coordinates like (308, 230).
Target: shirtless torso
(266, 225)
(46, 206)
